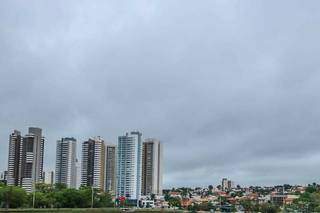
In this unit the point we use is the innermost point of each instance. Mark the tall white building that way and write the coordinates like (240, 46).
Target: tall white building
(129, 165)
(152, 167)
(25, 161)
(93, 163)
(66, 172)
(78, 172)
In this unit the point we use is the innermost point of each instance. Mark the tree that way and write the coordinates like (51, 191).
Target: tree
(60, 186)
(45, 188)
(153, 196)
(247, 205)
(41, 200)
(104, 199)
(174, 202)
(269, 208)
(167, 197)
(311, 189)
(210, 187)
(13, 197)
(85, 195)
(184, 192)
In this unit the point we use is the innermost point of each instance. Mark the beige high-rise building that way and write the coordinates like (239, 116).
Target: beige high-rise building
(111, 174)
(152, 167)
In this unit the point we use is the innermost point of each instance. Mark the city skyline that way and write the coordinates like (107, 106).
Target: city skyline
(231, 86)
(119, 169)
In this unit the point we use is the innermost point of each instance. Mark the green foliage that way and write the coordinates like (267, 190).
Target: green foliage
(311, 189)
(210, 187)
(166, 197)
(268, 208)
(249, 206)
(236, 194)
(153, 196)
(103, 199)
(60, 186)
(184, 192)
(59, 196)
(309, 201)
(200, 207)
(174, 202)
(13, 197)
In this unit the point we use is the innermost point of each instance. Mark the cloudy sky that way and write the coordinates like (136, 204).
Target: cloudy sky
(231, 88)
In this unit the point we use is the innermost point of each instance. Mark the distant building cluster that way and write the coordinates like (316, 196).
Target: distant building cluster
(229, 198)
(130, 169)
(226, 184)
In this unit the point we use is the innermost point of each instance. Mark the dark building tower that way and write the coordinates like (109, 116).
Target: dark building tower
(111, 169)
(26, 158)
(14, 158)
(31, 166)
(93, 163)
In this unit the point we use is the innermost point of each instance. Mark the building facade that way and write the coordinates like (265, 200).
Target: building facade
(66, 162)
(152, 167)
(129, 165)
(25, 161)
(15, 143)
(225, 183)
(48, 178)
(111, 174)
(93, 163)
(3, 177)
(78, 172)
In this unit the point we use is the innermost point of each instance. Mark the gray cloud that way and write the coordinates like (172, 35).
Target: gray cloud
(230, 87)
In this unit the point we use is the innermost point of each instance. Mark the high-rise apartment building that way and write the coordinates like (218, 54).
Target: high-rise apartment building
(66, 162)
(230, 184)
(31, 159)
(3, 177)
(78, 172)
(15, 143)
(129, 165)
(152, 167)
(25, 161)
(48, 177)
(111, 174)
(224, 184)
(93, 163)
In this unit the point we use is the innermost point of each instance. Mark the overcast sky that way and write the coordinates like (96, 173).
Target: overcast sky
(231, 88)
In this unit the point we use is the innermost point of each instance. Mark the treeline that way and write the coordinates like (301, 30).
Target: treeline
(57, 196)
(309, 201)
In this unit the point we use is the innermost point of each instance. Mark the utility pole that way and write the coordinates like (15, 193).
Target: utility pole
(34, 195)
(92, 196)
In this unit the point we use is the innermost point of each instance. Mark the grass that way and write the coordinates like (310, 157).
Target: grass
(89, 210)
(74, 210)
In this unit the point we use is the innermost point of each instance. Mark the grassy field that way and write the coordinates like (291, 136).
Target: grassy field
(98, 210)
